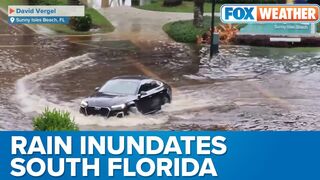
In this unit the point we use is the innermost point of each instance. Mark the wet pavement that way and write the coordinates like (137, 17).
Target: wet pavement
(242, 88)
(137, 24)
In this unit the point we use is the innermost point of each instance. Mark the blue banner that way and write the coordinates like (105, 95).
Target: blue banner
(301, 29)
(38, 20)
(155, 155)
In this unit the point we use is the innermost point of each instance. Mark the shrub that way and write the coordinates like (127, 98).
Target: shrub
(135, 2)
(169, 3)
(251, 1)
(54, 121)
(245, 1)
(185, 31)
(46, 2)
(81, 23)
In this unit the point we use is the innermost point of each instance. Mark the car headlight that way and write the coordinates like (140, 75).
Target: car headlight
(84, 104)
(118, 107)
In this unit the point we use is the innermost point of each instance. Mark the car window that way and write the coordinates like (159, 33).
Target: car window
(148, 86)
(120, 87)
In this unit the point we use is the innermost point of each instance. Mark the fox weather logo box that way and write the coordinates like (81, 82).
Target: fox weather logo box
(252, 13)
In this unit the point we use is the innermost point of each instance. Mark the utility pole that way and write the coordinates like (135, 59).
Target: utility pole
(214, 46)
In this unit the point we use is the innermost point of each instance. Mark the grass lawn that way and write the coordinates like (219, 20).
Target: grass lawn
(97, 19)
(186, 6)
(184, 31)
(100, 20)
(4, 3)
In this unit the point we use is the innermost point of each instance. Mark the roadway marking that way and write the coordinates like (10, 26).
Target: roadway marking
(85, 44)
(80, 35)
(96, 46)
(268, 94)
(142, 67)
(146, 71)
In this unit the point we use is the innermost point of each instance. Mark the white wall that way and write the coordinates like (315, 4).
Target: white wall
(115, 3)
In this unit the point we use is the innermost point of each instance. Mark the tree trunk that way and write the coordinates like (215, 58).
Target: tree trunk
(198, 13)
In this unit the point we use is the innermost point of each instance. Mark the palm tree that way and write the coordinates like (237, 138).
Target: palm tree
(198, 13)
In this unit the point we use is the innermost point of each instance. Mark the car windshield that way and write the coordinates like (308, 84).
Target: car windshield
(120, 87)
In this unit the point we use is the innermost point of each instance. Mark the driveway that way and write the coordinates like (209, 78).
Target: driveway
(141, 25)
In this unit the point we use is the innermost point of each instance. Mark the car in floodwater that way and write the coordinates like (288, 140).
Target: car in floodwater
(122, 95)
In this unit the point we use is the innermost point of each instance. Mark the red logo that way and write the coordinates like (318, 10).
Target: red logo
(11, 11)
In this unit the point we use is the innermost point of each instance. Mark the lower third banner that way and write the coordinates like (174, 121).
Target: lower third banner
(155, 155)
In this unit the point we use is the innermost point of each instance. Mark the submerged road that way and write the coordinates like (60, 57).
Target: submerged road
(242, 88)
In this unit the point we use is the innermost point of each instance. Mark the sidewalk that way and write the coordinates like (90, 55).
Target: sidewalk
(137, 24)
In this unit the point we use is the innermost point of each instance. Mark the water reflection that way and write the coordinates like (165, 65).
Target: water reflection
(246, 88)
(245, 62)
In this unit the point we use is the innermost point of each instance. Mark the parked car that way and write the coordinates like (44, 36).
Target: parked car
(122, 95)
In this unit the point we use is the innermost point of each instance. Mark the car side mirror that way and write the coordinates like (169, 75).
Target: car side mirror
(97, 88)
(142, 93)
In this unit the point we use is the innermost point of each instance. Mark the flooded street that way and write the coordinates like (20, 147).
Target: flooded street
(242, 88)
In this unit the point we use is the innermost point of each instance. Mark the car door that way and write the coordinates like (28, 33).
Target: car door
(148, 101)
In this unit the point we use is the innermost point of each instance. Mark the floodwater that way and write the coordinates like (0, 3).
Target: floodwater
(242, 88)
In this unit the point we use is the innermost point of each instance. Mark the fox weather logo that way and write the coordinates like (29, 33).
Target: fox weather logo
(269, 13)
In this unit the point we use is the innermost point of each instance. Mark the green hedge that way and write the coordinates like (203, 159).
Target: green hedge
(251, 1)
(46, 2)
(245, 1)
(81, 23)
(185, 31)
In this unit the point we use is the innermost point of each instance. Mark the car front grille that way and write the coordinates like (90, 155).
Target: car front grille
(97, 111)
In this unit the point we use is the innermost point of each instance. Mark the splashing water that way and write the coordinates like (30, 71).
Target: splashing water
(30, 98)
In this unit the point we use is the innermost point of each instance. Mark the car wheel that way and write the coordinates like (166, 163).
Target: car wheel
(166, 100)
(133, 109)
(82, 111)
